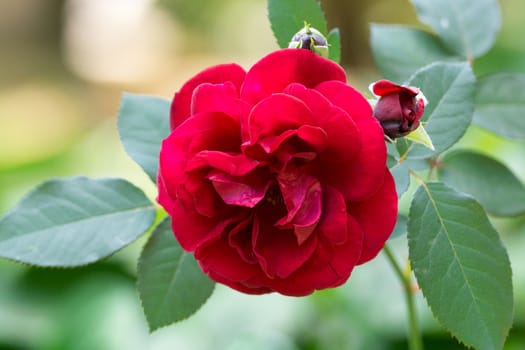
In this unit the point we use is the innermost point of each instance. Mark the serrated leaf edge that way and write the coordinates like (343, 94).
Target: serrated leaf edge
(88, 262)
(469, 197)
(138, 283)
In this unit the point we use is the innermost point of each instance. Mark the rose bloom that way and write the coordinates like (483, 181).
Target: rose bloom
(275, 178)
(399, 107)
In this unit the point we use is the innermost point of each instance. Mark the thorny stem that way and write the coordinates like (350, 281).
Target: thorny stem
(415, 340)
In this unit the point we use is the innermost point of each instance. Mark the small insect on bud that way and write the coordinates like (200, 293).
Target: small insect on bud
(310, 39)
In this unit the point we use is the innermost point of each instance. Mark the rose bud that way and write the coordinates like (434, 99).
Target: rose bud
(399, 108)
(310, 39)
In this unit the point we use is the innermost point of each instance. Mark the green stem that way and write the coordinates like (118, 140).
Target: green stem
(415, 340)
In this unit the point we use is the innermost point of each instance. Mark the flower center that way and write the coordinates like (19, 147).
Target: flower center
(274, 196)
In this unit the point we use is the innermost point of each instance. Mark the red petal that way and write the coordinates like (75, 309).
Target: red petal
(334, 217)
(230, 163)
(363, 176)
(276, 249)
(330, 265)
(376, 216)
(181, 105)
(344, 139)
(420, 110)
(221, 259)
(205, 131)
(389, 108)
(240, 238)
(279, 69)
(222, 98)
(386, 87)
(270, 143)
(245, 191)
(240, 286)
(171, 168)
(201, 195)
(277, 114)
(163, 197)
(314, 136)
(302, 196)
(192, 229)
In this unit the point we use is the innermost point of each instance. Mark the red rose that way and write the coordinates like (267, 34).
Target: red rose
(399, 107)
(276, 178)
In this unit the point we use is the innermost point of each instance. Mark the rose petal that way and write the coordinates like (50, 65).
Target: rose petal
(420, 110)
(302, 196)
(163, 198)
(288, 66)
(201, 195)
(334, 217)
(230, 163)
(205, 131)
(330, 265)
(350, 100)
(239, 286)
(270, 143)
(386, 87)
(277, 114)
(181, 106)
(317, 103)
(377, 217)
(346, 256)
(245, 191)
(363, 176)
(194, 230)
(389, 108)
(344, 138)
(314, 136)
(222, 98)
(278, 252)
(240, 238)
(221, 259)
(204, 198)
(276, 249)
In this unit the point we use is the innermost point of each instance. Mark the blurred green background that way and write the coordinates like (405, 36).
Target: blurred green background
(63, 67)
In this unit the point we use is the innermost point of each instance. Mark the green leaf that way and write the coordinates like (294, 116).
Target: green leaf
(74, 221)
(401, 227)
(467, 27)
(461, 266)
(400, 173)
(287, 17)
(420, 136)
(449, 88)
(399, 51)
(500, 104)
(497, 189)
(334, 45)
(143, 122)
(170, 283)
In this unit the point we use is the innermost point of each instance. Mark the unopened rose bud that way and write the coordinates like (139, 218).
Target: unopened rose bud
(310, 39)
(399, 108)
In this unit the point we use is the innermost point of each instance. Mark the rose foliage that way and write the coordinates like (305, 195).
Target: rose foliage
(275, 178)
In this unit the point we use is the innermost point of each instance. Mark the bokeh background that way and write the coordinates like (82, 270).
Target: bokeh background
(63, 67)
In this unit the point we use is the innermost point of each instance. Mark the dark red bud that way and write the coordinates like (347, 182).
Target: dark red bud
(398, 109)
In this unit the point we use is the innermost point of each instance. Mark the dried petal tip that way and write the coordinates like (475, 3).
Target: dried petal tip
(310, 39)
(399, 108)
